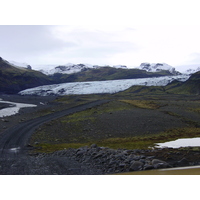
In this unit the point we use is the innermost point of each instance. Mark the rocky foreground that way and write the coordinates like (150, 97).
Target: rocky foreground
(96, 160)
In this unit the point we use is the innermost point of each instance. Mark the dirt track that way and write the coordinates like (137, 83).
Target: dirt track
(16, 138)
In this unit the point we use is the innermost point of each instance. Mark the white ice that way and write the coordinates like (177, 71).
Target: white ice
(95, 87)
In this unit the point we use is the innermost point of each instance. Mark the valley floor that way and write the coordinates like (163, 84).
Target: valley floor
(126, 125)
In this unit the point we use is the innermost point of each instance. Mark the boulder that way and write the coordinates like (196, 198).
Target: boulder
(136, 165)
(148, 167)
(159, 164)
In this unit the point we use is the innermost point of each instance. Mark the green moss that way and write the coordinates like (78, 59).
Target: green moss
(92, 113)
(142, 142)
(48, 148)
(142, 104)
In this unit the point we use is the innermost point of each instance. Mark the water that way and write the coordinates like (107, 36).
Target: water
(184, 142)
(14, 109)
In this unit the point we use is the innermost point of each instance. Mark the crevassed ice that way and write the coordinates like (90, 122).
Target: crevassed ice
(97, 87)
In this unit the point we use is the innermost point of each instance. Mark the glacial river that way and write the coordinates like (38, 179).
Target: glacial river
(13, 108)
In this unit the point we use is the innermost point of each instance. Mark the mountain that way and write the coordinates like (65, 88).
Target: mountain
(191, 71)
(14, 78)
(106, 73)
(158, 67)
(19, 65)
(66, 69)
(76, 68)
(191, 86)
(72, 68)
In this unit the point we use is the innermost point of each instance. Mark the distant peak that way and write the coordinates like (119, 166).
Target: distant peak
(192, 71)
(157, 67)
(20, 65)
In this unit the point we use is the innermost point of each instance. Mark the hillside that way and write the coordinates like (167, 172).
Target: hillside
(158, 67)
(14, 79)
(191, 86)
(106, 73)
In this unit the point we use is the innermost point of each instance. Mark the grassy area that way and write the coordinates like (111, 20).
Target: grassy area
(81, 128)
(73, 128)
(143, 142)
(142, 104)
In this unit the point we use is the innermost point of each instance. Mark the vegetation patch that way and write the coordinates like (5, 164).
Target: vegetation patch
(197, 110)
(139, 142)
(142, 104)
(49, 148)
(92, 113)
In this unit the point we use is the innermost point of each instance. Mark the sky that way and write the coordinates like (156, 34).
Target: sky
(101, 32)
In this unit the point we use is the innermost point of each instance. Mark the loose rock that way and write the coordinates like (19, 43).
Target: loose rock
(136, 165)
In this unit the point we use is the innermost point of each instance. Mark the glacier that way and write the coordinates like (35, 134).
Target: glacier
(99, 87)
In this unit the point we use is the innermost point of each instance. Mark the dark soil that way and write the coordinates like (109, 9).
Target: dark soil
(118, 119)
(111, 120)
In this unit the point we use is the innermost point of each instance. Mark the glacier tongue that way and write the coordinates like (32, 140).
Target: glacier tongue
(98, 87)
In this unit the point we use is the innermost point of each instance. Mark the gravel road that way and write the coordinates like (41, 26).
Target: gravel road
(16, 138)
(14, 147)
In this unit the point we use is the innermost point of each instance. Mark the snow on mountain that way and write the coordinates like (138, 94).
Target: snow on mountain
(156, 67)
(97, 87)
(70, 68)
(19, 65)
(120, 66)
(191, 71)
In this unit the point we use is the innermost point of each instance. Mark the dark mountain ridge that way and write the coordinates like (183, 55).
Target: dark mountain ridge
(13, 79)
(189, 87)
(106, 73)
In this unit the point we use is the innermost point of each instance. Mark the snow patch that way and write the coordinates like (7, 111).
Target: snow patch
(185, 142)
(15, 149)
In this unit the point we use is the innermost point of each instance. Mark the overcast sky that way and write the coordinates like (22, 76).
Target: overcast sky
(102, 32)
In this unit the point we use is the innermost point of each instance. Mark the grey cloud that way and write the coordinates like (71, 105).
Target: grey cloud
(24, 40)
(99, 43)
(45, 44)
(194, 58)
